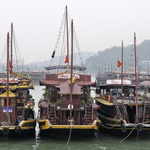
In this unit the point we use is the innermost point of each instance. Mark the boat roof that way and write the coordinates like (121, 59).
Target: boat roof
(56, 82)
(11, 80)
(104, 102)
(10, 94)
(56, 79)
(115, 85)
(13, 87)
(80, 68)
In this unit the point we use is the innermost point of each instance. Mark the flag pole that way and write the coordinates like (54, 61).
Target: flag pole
(135, 63)
(122, 69)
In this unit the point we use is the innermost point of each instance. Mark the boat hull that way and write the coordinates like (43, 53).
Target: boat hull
(47, 127)
(24, 128)
(119, 125)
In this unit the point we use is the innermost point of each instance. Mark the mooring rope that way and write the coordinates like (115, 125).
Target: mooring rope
(110, 127)
(132, 131)
(128, 134)
(71, 125)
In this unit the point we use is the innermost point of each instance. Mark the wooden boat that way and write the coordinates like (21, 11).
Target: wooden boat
(35, 76)
(66, 104)
(16, 103)
(121, 108)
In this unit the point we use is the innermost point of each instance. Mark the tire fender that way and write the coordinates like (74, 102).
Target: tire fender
(17, 129)
(139, 127)
(5, 131)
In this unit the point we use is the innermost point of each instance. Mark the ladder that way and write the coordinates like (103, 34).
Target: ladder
(88, 115)
(20, 112)
(146, 114)
(52, 114)
(121, 111)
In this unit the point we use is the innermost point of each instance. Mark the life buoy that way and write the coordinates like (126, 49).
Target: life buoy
(69, 106)
(6, 131)
(139, 127)
(17, 129)
(30, 102)
(24, 82)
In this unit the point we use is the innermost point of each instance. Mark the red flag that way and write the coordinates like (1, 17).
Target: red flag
(66, 59)
(119, 63)
(10, 65)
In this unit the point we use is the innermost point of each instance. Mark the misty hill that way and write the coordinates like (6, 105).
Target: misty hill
(39, 66)
(107, 60)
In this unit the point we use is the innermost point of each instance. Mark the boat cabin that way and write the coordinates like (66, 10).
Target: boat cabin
(114, 88)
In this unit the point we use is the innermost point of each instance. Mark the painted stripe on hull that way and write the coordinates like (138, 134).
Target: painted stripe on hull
(45, 124)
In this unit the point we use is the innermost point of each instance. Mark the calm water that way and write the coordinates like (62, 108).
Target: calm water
(100, 141)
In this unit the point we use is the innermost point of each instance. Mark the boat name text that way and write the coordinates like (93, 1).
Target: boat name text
(67, 76)
(128, 82)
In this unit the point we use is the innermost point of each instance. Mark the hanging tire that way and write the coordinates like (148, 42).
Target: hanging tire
(139, 127)
(5, 131)
(17, 129)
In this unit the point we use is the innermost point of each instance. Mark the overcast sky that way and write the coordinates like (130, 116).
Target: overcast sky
(99, 24)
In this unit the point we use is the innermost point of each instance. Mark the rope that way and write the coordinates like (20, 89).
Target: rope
(110, 127)
(71, 125)
(17, 53)
(132, 131)
(78, 48)
(62, 48)
(58, 38)
(128, 134)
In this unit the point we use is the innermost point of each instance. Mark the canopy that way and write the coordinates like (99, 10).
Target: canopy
(10, 94)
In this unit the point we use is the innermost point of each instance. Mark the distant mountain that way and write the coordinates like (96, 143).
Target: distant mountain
(39, 65)
(105, 61)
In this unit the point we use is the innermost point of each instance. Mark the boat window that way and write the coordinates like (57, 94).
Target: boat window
(103, 90)
(115, 91)
(140, 111)
(25, 93)
(2, 102)
(12, 102)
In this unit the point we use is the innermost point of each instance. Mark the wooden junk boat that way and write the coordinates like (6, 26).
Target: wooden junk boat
(16, 103)
(66, 103)
(121, 107)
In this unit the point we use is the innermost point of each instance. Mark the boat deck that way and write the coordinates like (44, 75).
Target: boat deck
(125, 101)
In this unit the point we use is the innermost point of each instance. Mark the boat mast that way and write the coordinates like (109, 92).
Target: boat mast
(136, 83)
(11, 47)
(71, 70)
(67, 36)
(122, 69)
(7, 83)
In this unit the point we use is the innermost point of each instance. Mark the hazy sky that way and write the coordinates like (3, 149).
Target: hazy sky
(99, 24)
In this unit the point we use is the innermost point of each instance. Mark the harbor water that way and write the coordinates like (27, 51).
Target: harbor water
(98, 141)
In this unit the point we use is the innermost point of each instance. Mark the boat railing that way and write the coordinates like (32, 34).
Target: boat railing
(74, 106)
(146, 116)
